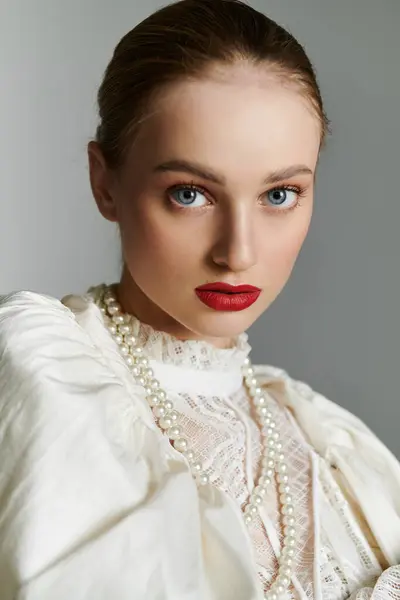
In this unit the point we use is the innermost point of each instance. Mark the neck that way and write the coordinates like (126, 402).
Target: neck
(133, 301)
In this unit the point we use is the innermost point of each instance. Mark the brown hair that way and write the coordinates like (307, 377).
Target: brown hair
(181, 41)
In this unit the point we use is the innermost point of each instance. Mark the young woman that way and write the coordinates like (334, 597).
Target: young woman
(142, 456)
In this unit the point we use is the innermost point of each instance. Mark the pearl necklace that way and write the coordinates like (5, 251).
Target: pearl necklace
(273, 459)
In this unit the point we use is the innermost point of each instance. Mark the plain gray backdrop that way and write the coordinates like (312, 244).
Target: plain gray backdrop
(337, 323)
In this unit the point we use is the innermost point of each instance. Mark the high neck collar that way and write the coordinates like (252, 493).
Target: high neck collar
(195, 354)
(197, 361)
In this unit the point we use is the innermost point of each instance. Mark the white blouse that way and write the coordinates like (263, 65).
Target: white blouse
(95, 504)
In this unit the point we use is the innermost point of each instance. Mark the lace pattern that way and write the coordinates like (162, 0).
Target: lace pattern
(226, 437)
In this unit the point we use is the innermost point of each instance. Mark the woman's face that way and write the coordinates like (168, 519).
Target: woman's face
(217, 187)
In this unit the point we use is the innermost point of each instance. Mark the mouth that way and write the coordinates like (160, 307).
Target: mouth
(228, 298)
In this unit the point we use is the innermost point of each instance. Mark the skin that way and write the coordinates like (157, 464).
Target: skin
(241, 124)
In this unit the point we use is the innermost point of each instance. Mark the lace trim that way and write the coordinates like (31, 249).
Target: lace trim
(194, 354)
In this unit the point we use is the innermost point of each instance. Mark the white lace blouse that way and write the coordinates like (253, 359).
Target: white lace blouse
(95, 504)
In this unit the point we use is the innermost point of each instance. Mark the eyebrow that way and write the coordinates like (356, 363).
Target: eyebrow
(184, 166)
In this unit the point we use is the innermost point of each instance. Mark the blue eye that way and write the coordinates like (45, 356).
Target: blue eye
(189, 196)
(283, 197)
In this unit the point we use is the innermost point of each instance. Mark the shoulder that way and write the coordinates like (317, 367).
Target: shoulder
(324, 421)
(370, 472)
(44, 355)
(338, 435)
(58, 366)
(25, 314)
(36, 332)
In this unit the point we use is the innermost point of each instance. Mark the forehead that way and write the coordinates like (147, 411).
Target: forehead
(233, 117)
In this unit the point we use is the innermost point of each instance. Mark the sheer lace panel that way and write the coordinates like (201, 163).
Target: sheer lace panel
(225, 435)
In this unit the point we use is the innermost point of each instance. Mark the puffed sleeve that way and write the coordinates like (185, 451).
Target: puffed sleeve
(386, 588)
(82, 515)
(369, 472)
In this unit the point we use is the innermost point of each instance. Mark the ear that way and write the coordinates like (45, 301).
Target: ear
(100, 182)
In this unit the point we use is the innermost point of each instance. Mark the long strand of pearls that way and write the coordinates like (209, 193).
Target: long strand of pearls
(273, 459)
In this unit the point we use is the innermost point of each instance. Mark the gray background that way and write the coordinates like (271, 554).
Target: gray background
(336, 325)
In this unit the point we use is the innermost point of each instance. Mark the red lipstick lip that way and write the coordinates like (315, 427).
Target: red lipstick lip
(227, 298)
(220, 286)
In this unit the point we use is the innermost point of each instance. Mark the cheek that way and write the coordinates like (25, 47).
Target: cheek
(281, 249)
(156, 242)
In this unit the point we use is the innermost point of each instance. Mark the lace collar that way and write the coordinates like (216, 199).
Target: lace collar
(192, 354)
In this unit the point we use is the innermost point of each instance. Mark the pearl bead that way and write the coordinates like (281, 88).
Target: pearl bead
(286, 498)
(267, 463)
(289, 531)
(130, 340)
(129, 360)
(189, 455)
(155, 384)
(266, 477)
(135, 371)
(160, 411)
(168, 405)
(112, 329)
(173, 416)
(289, 520)
(118, 338)
(263, 411)
(165, 422)
(257, 499)
(260, 401)
(113, 308)
(118, 319)
(125, 329)
(288, 509)
(161, 394)
(203, 479)
(290, 542)
(286, 563)
(148, 372)
(248, 519)
(181, 444)
(153, 400)
(141, 381)
(174, 432)
(197, 467)
(260, 490)
(282, 478)
(124, 349)
(288, 552)
(251, 509)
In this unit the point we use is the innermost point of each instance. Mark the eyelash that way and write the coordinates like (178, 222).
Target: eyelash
(300, 191)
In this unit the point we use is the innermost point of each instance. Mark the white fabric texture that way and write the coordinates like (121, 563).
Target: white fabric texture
(96, 504)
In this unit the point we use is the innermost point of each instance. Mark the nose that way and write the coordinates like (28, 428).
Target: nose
(236, 246)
